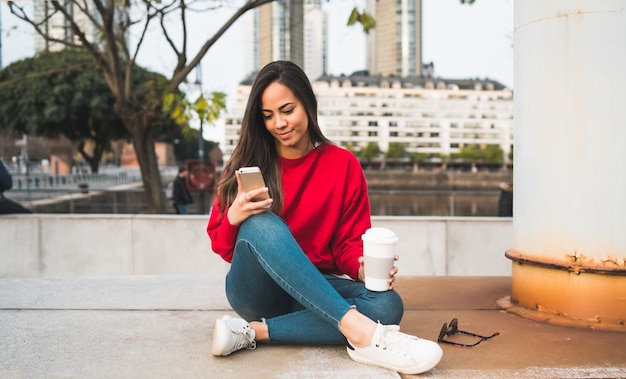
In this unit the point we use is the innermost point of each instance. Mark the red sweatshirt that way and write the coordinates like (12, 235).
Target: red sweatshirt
(325, 204)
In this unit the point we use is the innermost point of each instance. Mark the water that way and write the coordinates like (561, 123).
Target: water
(383, 203)
(434, 203)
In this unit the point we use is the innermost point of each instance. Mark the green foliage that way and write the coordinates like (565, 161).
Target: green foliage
(419, 157)
(210, 109)
(475, 153)
(177, 106)
(396, 150)
(60, 93)
(365, 19)
(354, 17)
(493, 153)
(472, 153)
(370, 151)
(443, 157)
(181, 110)
(63, 93)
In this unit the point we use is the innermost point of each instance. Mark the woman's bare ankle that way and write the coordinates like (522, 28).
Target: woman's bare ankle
(260, 330)
(357, 328)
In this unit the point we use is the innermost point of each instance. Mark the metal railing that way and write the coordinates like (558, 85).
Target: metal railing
(83, 200)
(42, 181)
(383, 203)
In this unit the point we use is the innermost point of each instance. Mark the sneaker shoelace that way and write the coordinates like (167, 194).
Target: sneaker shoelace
(244, 336)
(392, 339)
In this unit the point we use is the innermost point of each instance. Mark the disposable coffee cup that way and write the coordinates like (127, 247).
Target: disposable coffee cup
(379, 251)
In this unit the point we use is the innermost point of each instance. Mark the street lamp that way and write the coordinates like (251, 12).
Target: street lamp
(201, 154)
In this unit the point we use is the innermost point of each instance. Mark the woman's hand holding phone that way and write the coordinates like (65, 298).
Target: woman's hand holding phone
(246, 203)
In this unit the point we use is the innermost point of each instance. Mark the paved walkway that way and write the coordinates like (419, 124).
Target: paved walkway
(161, 327)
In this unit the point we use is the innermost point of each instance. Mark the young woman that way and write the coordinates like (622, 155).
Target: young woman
(296, 271)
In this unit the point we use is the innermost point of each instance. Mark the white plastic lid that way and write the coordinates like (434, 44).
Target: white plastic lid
(379, 235)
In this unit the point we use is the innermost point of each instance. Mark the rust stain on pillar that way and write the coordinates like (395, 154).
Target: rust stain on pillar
(570, 292)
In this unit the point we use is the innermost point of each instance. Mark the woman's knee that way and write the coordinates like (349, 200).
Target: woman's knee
(267, 233)
(386, 307)
(262, 223)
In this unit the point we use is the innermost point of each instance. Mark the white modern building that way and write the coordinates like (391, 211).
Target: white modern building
(426, 115)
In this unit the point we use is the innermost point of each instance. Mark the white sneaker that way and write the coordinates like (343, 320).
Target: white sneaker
(397, 351)
(232, 334)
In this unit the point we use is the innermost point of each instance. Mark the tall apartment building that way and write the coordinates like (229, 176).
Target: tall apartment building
(57, 27)
(279, 32)
(426, 115)
(315, 40)
(292, 30)
(394, 47)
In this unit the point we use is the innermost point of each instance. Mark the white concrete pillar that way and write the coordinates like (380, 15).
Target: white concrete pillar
(569, 227)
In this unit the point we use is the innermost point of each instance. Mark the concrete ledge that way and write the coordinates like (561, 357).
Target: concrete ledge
(161, 327)
(141, 327)
(51, 245)
(189, 293)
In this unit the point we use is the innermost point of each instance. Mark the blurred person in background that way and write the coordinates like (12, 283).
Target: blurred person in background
(6, 183)
(505, 202)
(182, 196)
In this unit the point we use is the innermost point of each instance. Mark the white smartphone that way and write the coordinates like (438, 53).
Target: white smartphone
(251, 178)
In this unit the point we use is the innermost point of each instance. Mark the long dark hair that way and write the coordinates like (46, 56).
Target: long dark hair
(256, 146)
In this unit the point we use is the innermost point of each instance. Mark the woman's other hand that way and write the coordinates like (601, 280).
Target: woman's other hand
(392, 273)
(243, 206)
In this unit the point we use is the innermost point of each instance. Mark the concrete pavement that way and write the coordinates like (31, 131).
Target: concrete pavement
(161, 327)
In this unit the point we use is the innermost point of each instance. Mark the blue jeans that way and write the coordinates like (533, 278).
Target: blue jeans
(271, 278)
(181, 209)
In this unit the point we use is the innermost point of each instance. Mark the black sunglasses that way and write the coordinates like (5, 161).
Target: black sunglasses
(448, 330)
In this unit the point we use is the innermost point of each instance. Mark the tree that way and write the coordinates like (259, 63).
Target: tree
(112, 20)
(186, 139)
(396, 150)
(489, 153)
(417, 158)
(370, 151)
(116, 58)
(494, 154)
(472, 153)
(62, 93)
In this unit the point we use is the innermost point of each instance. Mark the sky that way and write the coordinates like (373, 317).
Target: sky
(463, 41)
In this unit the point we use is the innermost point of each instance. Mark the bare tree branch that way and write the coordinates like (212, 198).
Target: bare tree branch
(183, 59)
(84, 42)
(149, 18)
(179, 76)
(168, 38)
(85, 11)
(22, 15)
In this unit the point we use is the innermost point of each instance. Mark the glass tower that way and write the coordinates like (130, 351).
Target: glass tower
(395, 45)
